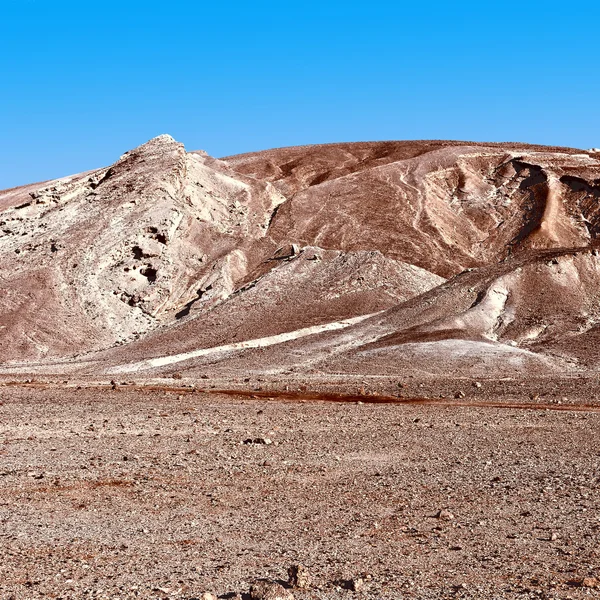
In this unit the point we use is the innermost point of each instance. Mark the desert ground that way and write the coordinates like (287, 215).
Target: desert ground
(171, 491)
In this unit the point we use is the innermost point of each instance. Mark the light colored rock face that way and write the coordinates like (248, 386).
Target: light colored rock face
(100, 259)
(166, 252)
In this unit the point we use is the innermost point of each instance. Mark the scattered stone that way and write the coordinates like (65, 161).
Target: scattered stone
(553, 536)
(585, 582)
(477, 384)
(269, 590)
(357, 584)
(459, 394)
(444, 514)
(208, 596)
(299, 577)
(258, 441)
(176, 376)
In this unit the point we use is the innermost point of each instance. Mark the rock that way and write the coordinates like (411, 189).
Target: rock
(356, 584)
(299, 577)
(208, 596)
(477, 384)
(176, 376)
(444, 514)
(269, 590)
(258, 440)
(286, 251)
(459, 394)
(585, 582)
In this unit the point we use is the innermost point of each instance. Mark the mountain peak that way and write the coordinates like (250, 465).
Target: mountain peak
(158, 145)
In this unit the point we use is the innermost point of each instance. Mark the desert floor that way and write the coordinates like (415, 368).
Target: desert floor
(133, 493)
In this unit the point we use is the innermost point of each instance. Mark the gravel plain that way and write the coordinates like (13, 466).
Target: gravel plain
(148, 494)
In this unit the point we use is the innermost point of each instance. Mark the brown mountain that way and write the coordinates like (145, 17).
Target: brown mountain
(379, 258)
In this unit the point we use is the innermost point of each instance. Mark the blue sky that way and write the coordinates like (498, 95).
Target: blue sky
(82, 82)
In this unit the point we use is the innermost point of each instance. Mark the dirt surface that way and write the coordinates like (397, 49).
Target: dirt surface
(131, 493)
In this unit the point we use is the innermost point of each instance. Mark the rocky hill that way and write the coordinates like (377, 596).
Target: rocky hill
(377, 258)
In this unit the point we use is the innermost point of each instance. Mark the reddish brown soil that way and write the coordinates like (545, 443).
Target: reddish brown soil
(154, 494)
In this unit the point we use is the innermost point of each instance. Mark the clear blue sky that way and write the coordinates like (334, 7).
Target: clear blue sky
(82, 82)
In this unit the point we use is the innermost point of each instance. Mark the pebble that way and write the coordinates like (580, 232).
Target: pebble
(258, 440)
(269, 590)
(444, 514)
(299, 577)
(585, 582)
(590, 582)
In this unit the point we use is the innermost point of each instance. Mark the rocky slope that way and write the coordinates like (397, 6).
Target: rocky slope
(462, 258)
(96, 260)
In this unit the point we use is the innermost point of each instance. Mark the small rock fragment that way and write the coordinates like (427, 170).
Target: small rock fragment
(459, 394)
(356, 584)
(269, 590)
(477, 384)
(208, 596)
(299, 577)
(259, 441)
(444, 514)
(585, 582)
